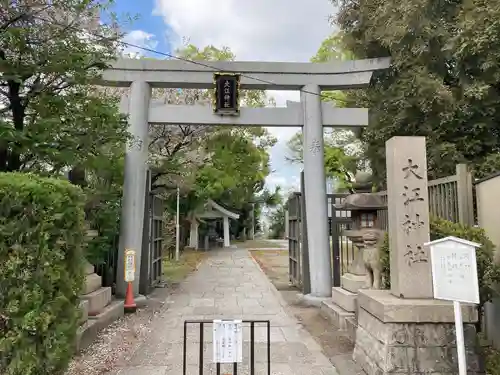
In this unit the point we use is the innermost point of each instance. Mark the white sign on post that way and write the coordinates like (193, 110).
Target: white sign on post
(227, 341)
(454, 278)
(129, 266)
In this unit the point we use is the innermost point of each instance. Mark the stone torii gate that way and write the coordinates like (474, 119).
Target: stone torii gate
(310, 113)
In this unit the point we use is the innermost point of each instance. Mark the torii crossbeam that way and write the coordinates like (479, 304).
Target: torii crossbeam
(310, 113)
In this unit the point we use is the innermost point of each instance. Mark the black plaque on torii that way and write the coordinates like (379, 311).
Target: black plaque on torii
(227, 94)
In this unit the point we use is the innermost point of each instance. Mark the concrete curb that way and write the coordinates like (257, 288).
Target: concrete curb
(275, 291)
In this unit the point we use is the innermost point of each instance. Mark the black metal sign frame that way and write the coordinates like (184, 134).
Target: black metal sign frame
(202, 323)
(226, 100)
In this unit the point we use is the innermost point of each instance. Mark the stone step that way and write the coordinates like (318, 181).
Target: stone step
(336, 314)
(111, 313)
(88, 332)
(98, 300)
(351, 326)
(344, 298)
(92, 283)
(84, 308)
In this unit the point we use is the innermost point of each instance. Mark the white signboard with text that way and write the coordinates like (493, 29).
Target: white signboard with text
(129, 266)
(228, 341)
(454, 278)
(454, 270)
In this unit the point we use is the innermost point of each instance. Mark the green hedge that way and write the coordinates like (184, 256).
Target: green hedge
(488, 272)
(41, 275)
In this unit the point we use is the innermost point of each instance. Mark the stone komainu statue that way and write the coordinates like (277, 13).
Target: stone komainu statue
(371, 258)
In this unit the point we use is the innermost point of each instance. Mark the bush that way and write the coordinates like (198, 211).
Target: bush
(41, 275)
(491, 356)
(385, 262)
(488, 271)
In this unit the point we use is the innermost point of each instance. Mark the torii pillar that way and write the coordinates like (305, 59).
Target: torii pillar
(315, 193)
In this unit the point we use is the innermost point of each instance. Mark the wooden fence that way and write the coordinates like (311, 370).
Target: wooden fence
(450, 198)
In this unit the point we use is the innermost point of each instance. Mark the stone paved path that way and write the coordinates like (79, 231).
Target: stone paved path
(229, 284)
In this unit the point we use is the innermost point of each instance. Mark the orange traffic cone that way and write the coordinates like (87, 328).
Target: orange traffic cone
(129, 305)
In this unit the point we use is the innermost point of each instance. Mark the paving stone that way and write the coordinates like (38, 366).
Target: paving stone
(228, 285)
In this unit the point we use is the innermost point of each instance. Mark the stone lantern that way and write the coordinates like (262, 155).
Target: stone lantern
(364, 208)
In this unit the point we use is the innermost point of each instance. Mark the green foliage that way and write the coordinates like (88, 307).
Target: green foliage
(385, 262)
(443, 83)
(277, 222)
(488, 272)
(51, 117)
(332, 49)
(236, 170)
(104, 217)
(103, 206)
(42, 231)
(340, 165)
(490, 354)
(343, 155)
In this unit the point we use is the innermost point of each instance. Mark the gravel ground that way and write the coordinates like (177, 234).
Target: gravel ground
(117, 343)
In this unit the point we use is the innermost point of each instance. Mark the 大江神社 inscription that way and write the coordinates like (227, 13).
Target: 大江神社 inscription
(415, 255)
(408, 217)
(412, 224)
(412, 169)
(414, 251)
(226, 94)
(412, 195)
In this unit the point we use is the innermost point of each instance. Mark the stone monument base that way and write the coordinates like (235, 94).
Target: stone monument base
(352, 282)
(411, 336)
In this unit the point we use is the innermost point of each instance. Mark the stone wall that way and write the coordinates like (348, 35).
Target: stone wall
(411, 348)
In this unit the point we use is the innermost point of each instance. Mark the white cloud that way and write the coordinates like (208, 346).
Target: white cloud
(288, 184)
(258, 30)
(278, 30)
(139, 38)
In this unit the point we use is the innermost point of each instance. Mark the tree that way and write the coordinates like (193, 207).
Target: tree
(443, 82)
(343, 151)
(236, 170)
(331, 49)
(277, 222)
(50, 116)
(343, 155)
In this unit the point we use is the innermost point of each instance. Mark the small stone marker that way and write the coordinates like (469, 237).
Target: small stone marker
(408, 210)
(227, 341)
(454, 278)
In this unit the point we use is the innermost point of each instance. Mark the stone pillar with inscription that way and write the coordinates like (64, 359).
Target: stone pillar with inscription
(404, 330)
(408, 217)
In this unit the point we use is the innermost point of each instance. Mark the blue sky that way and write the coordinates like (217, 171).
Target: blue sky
(266, 30)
